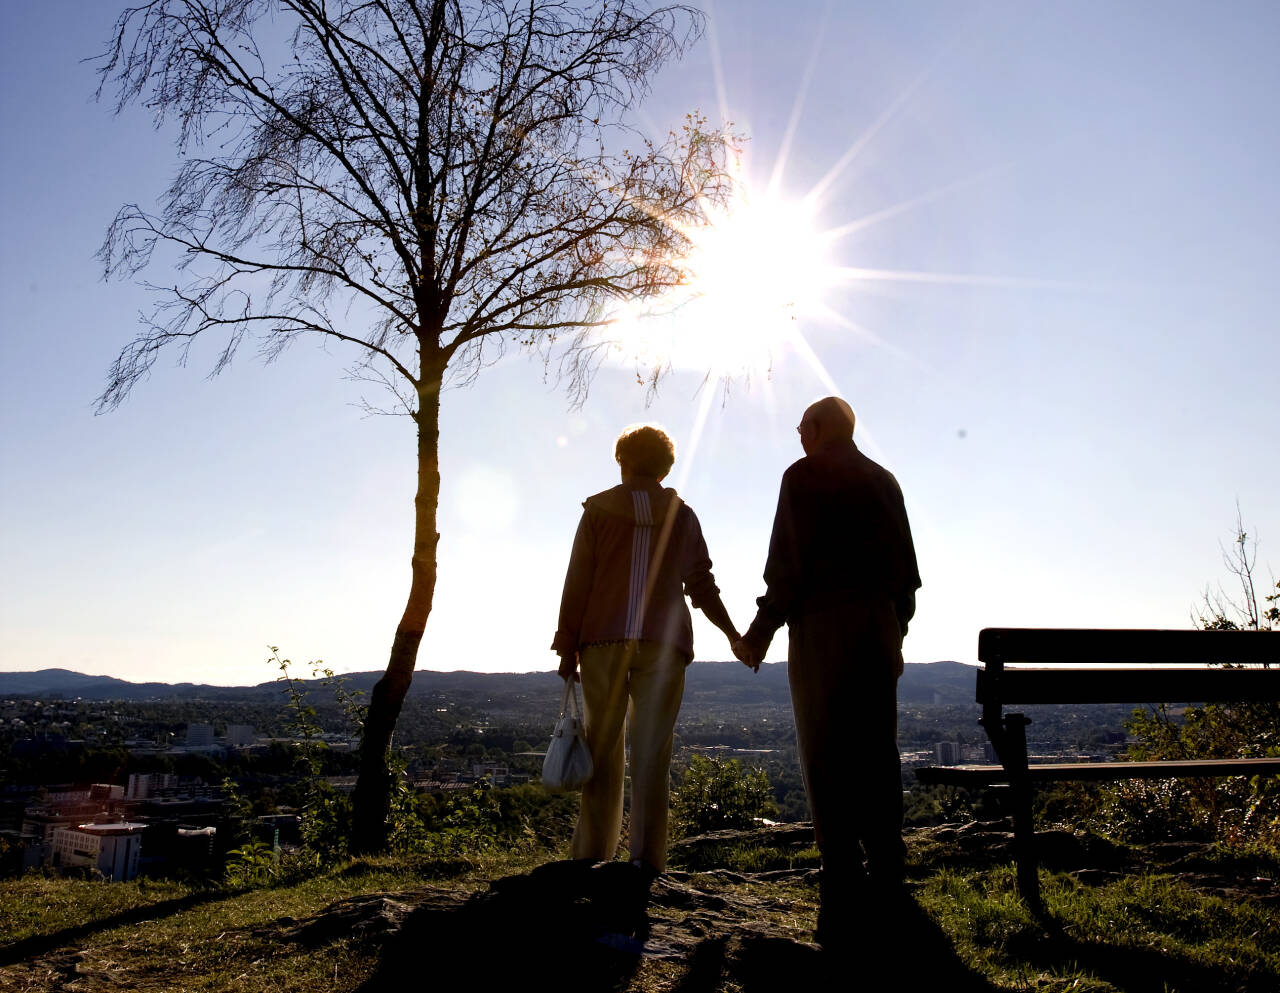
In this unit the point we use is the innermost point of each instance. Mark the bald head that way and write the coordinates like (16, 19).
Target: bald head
(833, 415)
(828, 421)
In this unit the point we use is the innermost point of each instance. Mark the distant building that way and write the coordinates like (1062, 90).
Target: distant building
(948, 753)
(65, 793)
(194, 847)
(200, 736)
(113, 849)
(193, 809)
(240, 735)
(143, 785)
(43, 821)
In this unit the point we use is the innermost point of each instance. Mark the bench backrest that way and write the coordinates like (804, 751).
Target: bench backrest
(1141, 665)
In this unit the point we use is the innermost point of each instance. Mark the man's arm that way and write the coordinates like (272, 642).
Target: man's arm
(781, 576)
(905, 607)
(905, 602)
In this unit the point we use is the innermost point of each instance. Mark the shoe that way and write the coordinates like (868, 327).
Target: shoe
(622, 894)
(647, 873)
(842, 907)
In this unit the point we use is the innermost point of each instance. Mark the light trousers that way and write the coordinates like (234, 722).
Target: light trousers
(635, 684)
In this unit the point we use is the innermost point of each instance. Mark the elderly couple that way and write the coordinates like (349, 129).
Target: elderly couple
(841, 573)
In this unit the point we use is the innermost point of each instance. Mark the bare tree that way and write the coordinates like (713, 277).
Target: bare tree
(1219, 610)
(426, 180)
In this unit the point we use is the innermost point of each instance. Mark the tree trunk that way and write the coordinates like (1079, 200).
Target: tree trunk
(372, 798)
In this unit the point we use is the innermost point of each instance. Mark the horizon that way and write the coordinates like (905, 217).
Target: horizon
(374, 672)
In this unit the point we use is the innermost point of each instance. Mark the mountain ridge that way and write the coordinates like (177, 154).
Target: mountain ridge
(922, 682)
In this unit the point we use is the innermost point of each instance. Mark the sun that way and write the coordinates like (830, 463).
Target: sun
(756, 265)
(759, 266)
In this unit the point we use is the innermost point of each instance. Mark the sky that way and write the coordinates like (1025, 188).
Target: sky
(1061, 340)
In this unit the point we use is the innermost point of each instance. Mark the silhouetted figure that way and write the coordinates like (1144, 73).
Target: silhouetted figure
(623, 621)
(842, 575)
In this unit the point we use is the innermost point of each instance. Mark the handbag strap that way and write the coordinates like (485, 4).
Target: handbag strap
(569, 701)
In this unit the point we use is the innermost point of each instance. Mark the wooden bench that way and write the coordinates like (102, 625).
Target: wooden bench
(1102, 666)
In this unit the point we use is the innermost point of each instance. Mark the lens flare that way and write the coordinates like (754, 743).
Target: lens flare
(756, 266)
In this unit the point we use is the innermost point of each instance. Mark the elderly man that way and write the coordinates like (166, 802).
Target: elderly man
(842, 575)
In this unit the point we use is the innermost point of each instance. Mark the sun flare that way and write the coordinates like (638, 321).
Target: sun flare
(759, 266)
(755, 266)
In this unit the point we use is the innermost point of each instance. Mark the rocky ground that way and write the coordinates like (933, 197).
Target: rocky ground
(562, 925)
(753, 929)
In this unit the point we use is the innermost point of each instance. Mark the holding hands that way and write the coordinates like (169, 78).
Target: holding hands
(716, 613)
(746, 654)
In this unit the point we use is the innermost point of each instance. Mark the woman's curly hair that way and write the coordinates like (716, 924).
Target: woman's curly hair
(646, 450)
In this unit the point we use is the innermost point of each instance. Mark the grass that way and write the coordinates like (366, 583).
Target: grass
(1139, 932)
(168, 936)
(1136, 932)
(744, 858)
(37, 905)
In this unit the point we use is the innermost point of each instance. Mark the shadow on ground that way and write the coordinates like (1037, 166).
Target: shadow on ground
(42, 944)
(1141, 970)
(564, 921)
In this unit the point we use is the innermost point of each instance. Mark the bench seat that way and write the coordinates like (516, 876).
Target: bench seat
(1050, 772)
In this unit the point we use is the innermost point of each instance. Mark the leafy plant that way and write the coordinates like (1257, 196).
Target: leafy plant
(253, 864)
(459, 825)
(326, 813)
(720, 793)
(469, 822)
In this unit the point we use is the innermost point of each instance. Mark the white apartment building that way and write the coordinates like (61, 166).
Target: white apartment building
(112, 849)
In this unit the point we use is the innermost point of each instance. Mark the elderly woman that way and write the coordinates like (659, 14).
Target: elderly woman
(624, 624)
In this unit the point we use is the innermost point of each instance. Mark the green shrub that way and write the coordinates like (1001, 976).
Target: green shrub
(715, 794)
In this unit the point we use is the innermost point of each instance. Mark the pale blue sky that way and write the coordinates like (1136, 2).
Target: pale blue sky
(1072, 430)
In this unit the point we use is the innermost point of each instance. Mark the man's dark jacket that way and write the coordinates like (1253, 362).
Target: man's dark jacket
(840, 533)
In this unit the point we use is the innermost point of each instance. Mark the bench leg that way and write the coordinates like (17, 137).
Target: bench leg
(1024, 844)
(1024, 829)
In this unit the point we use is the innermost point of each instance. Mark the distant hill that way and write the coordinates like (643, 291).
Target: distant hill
(725, 682)
(938, 682)
(68, 684)
(733, 683)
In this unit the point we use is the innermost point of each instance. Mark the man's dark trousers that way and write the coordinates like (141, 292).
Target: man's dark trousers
(843, 665)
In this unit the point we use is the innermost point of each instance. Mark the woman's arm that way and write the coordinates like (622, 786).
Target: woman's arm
(714, 609)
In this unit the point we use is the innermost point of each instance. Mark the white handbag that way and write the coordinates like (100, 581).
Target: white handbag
(568, 762)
